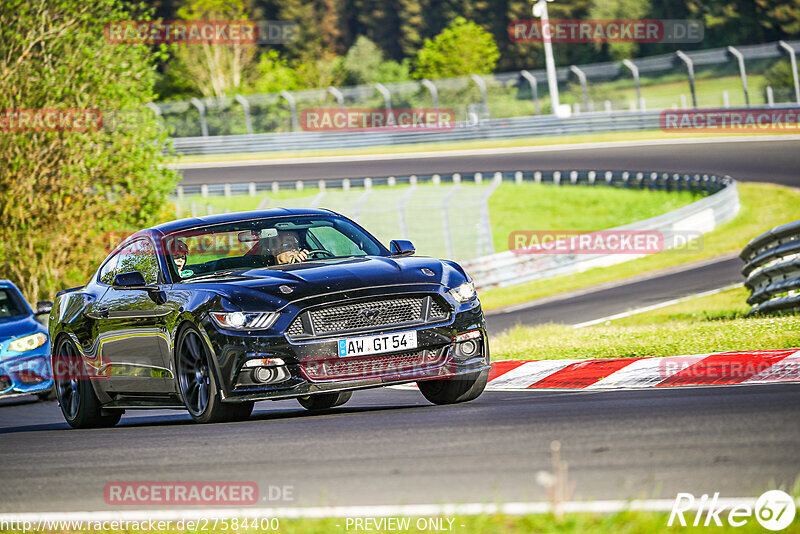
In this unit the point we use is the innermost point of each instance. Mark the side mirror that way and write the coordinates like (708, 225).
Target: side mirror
(131, 280)
(401, 247)
(43, 307)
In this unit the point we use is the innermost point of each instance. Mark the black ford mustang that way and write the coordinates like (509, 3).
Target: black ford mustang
(211, 314)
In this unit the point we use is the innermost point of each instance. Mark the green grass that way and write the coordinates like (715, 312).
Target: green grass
(467, 145)
(619, 523)
(527, 206)
(707, 324)
(532, 206)
(764, 206)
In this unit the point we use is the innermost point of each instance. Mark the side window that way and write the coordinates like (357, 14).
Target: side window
(109, 270)
(139, 256)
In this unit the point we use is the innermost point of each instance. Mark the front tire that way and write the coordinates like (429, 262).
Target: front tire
(461, 388)
(75, 394)
(324, 401)
(198, 386)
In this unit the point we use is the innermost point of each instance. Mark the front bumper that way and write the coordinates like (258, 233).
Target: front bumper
(23, 373)
(314, 366)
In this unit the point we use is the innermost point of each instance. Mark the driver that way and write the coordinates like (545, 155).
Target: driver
(288, 249)
(179, 250)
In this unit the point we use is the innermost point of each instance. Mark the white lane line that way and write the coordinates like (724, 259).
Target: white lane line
(643, 277)
(478, 152)
(412, 510)
(656, 306)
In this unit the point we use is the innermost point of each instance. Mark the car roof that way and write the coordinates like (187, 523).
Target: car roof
(7, 283)
(241, 216)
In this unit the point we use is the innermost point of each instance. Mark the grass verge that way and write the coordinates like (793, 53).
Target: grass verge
(714, 323)
(764, 206)
(525, 206)
(464, 145)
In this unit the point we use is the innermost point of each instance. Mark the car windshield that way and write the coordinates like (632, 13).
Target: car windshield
(274, 243)
(10, 304)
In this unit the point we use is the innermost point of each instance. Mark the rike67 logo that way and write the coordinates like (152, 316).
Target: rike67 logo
(774, 510)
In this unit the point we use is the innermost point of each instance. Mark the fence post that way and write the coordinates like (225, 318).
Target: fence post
(155, 108)
(201, 108)
(635, 71)
(770, 96)
(742, 72)
(482, 86)
(534, 89)
(793, 60)
(293, 109)
(204, 190)
(434, 93)
(246, 106)
(337, 94)
(582, 78)
(690, 69)
(387, 96)
(251, 189)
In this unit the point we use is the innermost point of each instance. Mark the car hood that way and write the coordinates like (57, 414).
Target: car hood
(19, 326)
(314, 278)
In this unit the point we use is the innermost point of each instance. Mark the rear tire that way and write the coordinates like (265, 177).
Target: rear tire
(198, 386)
(76, 396)
(324, 401)
(460, 388)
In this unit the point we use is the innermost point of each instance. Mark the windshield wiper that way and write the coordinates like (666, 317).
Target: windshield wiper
(217, 274)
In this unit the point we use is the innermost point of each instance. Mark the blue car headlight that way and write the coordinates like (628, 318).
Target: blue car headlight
(27, 343)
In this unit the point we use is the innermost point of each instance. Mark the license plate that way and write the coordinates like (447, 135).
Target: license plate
(358, 346)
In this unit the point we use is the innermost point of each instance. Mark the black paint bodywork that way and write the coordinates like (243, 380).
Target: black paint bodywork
(127, 336)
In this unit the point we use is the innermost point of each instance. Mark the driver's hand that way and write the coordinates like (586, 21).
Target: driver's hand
(292, 256)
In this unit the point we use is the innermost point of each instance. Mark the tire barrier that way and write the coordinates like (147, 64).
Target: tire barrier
(772, 269)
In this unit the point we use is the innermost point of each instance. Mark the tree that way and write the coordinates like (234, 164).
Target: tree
(365, 63)
(616, 10)
(63, 190)
(216, 69)
(462, 48)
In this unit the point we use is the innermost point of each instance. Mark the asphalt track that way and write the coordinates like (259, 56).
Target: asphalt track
(392, 447)
(760, 161)
(621, 297)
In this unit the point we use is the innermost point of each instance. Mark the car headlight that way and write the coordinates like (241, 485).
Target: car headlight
(245, 320)
(464, 293)
(27, 343)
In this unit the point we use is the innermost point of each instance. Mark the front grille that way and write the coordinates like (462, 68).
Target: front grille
(373, 366)
(369, 315)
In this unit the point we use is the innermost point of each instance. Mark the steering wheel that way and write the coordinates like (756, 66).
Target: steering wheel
(327, 253)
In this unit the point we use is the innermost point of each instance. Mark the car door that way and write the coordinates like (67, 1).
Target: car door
(132, 338)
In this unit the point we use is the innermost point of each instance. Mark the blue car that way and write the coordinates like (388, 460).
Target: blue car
(24, 346)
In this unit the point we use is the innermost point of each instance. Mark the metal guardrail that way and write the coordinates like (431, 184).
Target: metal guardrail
(534, 126)
(772, 269)
(508, 268)
(493, 95)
